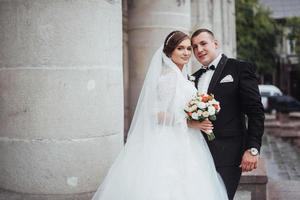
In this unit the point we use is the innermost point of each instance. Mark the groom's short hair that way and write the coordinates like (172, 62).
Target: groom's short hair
(201, 30)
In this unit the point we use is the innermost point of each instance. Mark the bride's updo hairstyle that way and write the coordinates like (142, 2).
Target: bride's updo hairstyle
(172, 41)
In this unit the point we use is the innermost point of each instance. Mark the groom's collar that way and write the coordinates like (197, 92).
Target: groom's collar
(215, 62)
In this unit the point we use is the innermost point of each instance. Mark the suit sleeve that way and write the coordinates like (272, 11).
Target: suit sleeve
(251, 105)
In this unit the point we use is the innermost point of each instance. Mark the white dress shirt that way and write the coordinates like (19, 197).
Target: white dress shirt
(205, 79)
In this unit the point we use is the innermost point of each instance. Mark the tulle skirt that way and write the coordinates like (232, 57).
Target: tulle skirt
(166, 164)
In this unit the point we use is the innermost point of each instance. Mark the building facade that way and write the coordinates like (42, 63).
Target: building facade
(287, 72)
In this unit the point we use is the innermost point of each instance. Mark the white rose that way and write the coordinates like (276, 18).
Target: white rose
(205, 114)
(200, 112)
(193, 108)
(187, 108)
(195, 116)
(201, 105)
(193, 102)
(211, 110)
(214, 101)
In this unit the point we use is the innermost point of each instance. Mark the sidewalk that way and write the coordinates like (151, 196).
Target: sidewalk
(7, 195)
(282, 161)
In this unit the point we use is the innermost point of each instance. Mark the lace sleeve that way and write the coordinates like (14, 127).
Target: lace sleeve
(166, 91)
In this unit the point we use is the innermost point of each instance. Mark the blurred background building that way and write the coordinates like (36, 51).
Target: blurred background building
(287, 70)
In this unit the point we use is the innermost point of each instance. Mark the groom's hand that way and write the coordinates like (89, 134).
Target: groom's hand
(249, 162)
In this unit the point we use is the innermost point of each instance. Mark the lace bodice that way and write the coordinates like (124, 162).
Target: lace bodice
(174, 91)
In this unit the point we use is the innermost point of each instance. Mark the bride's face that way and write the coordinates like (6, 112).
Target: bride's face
(182, 53)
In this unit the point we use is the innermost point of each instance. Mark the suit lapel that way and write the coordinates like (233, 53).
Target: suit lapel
(217, 74)
(197, 75)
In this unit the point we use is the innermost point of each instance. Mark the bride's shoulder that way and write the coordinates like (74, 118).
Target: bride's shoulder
(167, 73)
(167, 70)
(167, 80)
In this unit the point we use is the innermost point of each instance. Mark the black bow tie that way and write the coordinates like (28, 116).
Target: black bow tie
(205, 69)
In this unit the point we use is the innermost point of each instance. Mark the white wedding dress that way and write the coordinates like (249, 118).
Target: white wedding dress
(163, 159)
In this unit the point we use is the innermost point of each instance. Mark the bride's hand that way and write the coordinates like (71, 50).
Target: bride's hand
(204, 126)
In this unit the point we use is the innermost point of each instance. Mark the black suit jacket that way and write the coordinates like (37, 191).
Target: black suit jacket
(237, 99)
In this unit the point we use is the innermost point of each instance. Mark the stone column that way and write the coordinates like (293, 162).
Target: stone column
(218, 21)
(202, 14)
(149, 23)
(61, 93)
(232, 28)
(125, 67)
(228, 29)
(225, 26)
(218, 16)
(202, 17)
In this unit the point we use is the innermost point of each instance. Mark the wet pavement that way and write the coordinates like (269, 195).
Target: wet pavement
(282, 160)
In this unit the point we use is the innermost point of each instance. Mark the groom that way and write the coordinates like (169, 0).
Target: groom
(234, 84)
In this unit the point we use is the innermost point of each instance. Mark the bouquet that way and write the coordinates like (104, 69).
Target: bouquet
(202, 107)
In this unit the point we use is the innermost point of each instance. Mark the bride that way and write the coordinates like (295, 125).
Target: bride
(163, 158)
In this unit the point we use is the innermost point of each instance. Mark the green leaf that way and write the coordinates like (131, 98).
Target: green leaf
(212, 118)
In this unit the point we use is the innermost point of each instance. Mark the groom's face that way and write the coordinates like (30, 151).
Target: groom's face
(205, 48)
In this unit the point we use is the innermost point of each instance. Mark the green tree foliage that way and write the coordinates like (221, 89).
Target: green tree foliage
(256, 35)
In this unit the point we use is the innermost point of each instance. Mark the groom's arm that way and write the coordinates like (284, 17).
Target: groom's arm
(253, 108)
(251, 105)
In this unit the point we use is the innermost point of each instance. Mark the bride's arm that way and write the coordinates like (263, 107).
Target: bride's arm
(165, 118)
(166, 90)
